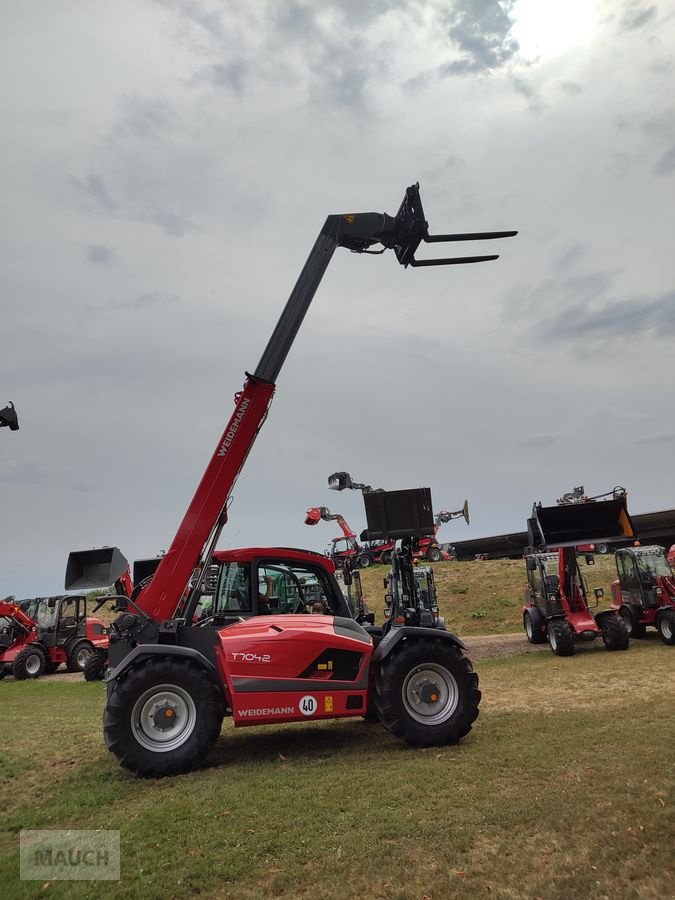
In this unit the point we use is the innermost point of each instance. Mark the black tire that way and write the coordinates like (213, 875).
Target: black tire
(614, 633)
(385, 559)
(364, 560)
(666, 626)
(437, 667)
(29, 663)
(78, 656)
(3, 671)
(434, 554)
(561, 637)
(51, 667)
(135, 736)
(601, 548)
(532, 622)
(94, 668)
(631, 619)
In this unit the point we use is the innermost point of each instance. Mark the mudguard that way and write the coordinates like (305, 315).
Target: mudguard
(603, 614)
(405, 632)
(147, 650)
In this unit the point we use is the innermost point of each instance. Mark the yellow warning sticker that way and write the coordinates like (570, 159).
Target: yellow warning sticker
(328, 704)
(350, 218)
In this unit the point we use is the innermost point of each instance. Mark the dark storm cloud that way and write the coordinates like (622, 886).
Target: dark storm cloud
(538, 440)
(93, 188)
(636, 15)
(665, 164)
(481, 30)
(99, 254)
(663, 438)
(627, 319)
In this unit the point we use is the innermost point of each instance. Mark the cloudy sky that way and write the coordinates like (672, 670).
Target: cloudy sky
(166, 169)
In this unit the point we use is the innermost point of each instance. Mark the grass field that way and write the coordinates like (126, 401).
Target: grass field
(563, 789)
(486, 596)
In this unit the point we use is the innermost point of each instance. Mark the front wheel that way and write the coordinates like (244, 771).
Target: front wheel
(94, 667)
(434, 554)
(426, 693)
(561, 637)
(78, 656)
(532, 622)
(364, 561)
(29, 663)
(385, 559)
(614, 633)
(162, 717)
(631, 619)
(666, 627)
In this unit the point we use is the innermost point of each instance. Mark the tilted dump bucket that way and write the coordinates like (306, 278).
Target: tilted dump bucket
(599, 521)
(97, 568)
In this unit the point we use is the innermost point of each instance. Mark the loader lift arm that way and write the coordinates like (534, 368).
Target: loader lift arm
(321, 513)
(197, 535)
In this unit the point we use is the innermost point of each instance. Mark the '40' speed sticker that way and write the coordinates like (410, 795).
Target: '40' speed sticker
(308, 705)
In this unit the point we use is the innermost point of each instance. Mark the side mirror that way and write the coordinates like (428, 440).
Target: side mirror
(599, 593)
(590, 559)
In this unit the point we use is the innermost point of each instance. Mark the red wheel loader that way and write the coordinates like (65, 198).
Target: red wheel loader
(176, 669)
(557, 603)
(92, 570)
(39, 635)
(644, 592)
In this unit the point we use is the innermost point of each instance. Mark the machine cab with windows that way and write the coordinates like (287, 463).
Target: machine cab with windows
(644, 592)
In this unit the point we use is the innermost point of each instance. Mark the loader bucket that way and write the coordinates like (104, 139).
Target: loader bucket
(9, 418)
(92, 569)
(580, 523)
(465, 512)
(313, 516)
(144, 568)
(339, 481)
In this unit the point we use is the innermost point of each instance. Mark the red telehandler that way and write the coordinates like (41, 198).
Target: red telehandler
(428, 548)
(176, 668)
(38, 635)
(557, 604)
(644, 592)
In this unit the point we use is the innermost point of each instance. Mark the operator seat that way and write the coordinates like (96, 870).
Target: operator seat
(552, 584)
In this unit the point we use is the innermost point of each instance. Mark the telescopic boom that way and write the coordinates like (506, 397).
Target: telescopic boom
(198, 533)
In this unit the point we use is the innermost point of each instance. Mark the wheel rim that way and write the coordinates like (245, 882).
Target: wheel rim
(553, 638)
(430, 694)
(528, 627)
(666, 628)
(82, 657)
(365, 562)
(33, 664)
(163, 718)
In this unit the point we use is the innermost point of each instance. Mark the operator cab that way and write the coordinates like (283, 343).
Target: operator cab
(640, 569)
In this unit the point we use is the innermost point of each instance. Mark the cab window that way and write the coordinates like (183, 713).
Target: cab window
(234, 593)
(287, 588)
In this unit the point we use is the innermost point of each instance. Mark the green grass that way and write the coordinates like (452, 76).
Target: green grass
(486, 596)
(563, 789)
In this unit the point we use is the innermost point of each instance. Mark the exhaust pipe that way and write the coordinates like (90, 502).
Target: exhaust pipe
(98, 568)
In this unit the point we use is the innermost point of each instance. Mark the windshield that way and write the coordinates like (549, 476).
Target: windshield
(654, 564)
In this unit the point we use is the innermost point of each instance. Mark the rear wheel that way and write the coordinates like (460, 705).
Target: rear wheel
(3, 671)
(29, 663)
(94, 667)
(385, 559)
(601, 548)
(560, 637)
(614, 633)
(426, 693)
(666, 627)
(162, 717)
(434, 554)
(532, 622)
(78, 656)
(631, 619)
(364, 560)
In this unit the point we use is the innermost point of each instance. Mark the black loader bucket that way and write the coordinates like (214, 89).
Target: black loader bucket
(144, 568)
(599, 521)
(97, 568)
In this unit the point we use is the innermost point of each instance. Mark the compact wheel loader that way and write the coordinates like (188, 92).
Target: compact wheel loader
(644, 592)
(177, 666)
(557, 603)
